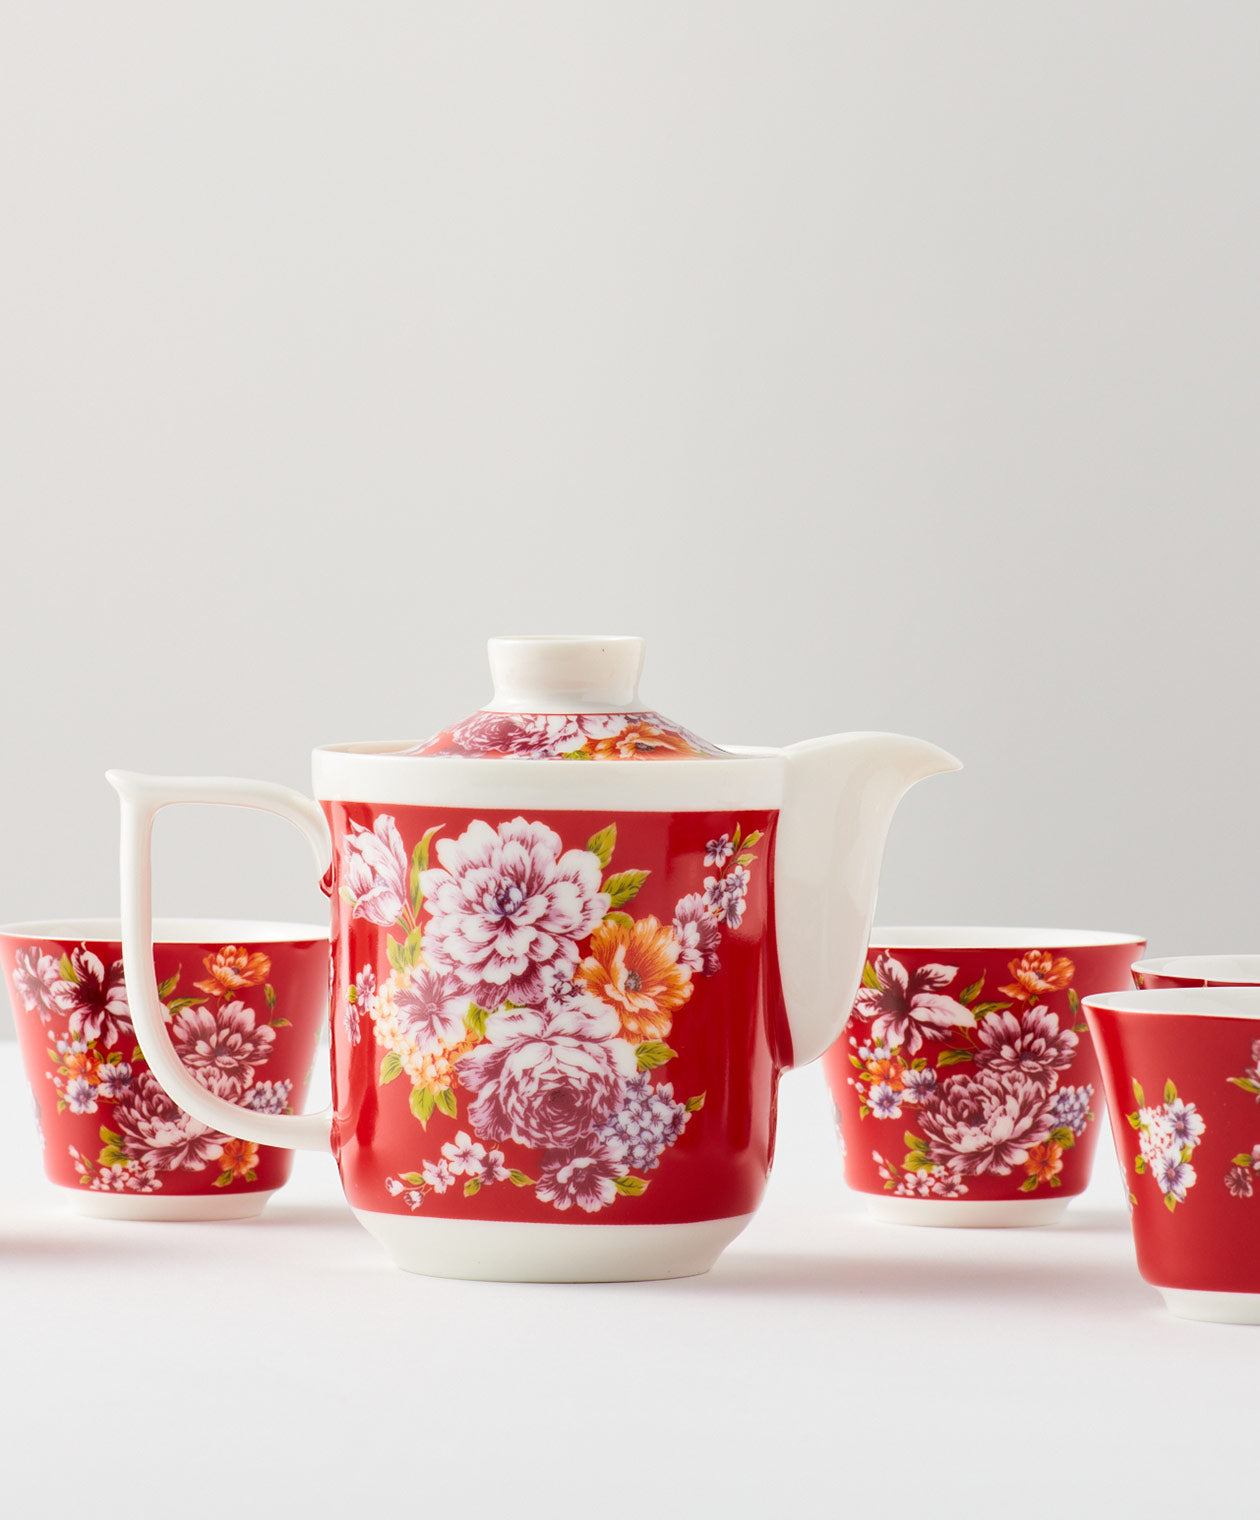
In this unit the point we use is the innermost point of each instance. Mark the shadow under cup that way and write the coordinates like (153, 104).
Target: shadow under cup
(245, 1002)
(965, 1083)
(1181, 1069)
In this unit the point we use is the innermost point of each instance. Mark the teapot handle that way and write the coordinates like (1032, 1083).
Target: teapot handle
(142, 797)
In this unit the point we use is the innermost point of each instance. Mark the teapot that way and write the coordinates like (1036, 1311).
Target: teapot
(573, 947)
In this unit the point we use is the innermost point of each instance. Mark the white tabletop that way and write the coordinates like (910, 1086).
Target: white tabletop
(828, 1366)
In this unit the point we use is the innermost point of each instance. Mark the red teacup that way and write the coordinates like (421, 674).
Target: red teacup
(1198, 971)
(245, 1003)
(1181, 1070)
(965, 1082)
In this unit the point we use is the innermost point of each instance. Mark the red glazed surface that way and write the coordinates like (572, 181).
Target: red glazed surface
(504, 1049)
(1183, 1094)
(246, 1019)
(968, 1074)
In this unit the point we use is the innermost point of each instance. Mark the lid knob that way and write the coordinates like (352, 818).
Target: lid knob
(566, 674)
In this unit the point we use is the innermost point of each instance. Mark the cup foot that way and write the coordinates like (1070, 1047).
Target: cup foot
(1218, 1308)
(152, 1206)
(490, 1251)
(1001, 1213)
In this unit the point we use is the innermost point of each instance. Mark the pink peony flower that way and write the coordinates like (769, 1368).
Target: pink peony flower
(94, 999)
(1031, 1044)
(985, 1123)
(374, 870)
(905, 1000)
(698, 934)
(431, 1008)
(586, 1176)
(154, 1131)
(35, 978)
(546, 1079)
(505, 904)
(222, 1047)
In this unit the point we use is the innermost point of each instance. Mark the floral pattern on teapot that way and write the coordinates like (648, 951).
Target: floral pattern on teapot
(567, 736)
(522, 999)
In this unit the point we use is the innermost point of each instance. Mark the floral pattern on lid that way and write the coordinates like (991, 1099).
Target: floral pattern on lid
(567, 736)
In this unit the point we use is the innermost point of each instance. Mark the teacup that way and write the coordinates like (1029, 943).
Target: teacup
(1181, 1070)
(245, 1003)
(965, 1081)
(1198, 971)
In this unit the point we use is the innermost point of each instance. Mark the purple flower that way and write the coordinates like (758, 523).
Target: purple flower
(905, 1000)
(35, 978)
(464, 1156)
(1070, 1108)
(698, 935)
(438, 1174)
(360, 999)
(113, 1080)
(718, 851)
(985, 1123)
(94, 999)
(537, 736)
(374, 870)
(1030, 1044)
(1238, 1181)
(648, 1122)
(269, 1097)
(546, 1078)
(431, 1010)
(1187, 1125)
(1174, 1175)
(221, 1047)
(884, 1101)
(918, 1085)
(80, 1096)
(586, 1176)
(154, 1131)
(727, 895)
(507, 903)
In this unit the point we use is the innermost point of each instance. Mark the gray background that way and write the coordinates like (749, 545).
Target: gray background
(889, 366)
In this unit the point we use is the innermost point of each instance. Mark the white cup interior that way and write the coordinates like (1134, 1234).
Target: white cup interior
(169, 931)
(1208, 968)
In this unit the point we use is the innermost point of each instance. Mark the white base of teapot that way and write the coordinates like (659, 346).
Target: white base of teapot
(494, 1251)
(1217, 1308)
(997, 1213)
(186, 1208)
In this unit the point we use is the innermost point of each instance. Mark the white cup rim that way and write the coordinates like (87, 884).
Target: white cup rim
(169, 931)
(1202, 966)
(1193, 1002)
(987, 937)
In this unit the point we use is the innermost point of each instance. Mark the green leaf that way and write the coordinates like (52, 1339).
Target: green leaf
(423, 1102)
(602, 844)
(1029, 1185)
(694, 1105)
(176, 1004)
(224, 1179)
(61, 1105)
(1074, 1002)
(653, 1053)
(736, 836)
(953, 1057)
(414, 1178)
(1245, 1083)
(916, 1161)
(114, 1058)
(1138, 1093)
(1243, 1160)
(1056, 1181)
(251, 1175)
(624, 886)
(1063, 1136)
(752, 839)
(396, 954)
(576, 754)
(916, 1142)
(1170, 1203)
(983, 1010)
(108, 1136)
(1139, 1164)
(111, 1156)
(447, 1104)
(1170, 1092)
(269, 993)
(472, 1186)
(168, 986)
(622, 919)
(137, 1055)
(631, 1187)
(855, 1061)
(280, 1023)
(519, 1179)
(419, 863)
(1134, 1121)
(391, 1067)
(347, 896)
(969, 994)
(67, 970)
(745, 859)
(869, 979)
(475, 1020)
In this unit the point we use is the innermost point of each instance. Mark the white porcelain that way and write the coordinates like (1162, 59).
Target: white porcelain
(997, 1214)
(152, 1206)
(1213, 1308)
(1240, 970)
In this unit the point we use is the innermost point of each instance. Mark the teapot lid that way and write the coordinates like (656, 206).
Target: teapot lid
(566, 697)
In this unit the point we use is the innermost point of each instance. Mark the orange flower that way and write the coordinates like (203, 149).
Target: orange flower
(231, 969)
(1036, 974)
(1044, 1161)
(638, 741)
(240, 1157)
(890, 1072)
(634, 969)
(82, 1063)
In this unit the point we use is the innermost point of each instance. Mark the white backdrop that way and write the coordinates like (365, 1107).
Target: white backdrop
(887, 365)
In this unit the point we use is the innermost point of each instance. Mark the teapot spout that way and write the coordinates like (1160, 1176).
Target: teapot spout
(839, 796)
